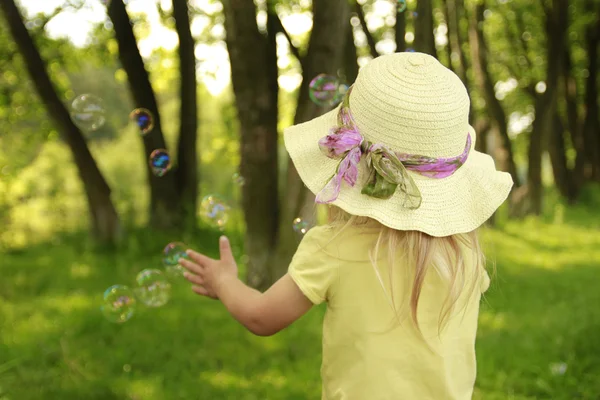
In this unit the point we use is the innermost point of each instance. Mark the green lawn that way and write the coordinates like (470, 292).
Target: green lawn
(543, 308)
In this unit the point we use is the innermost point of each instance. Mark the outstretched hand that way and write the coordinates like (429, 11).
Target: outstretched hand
(208, 275)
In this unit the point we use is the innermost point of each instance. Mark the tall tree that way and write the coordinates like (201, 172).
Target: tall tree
(545, 105)
(254, 75)
(270, 240)
(424, 38)
(167, 209)
(479, 56)
(400, 29)
(187, 157)
(105, 223)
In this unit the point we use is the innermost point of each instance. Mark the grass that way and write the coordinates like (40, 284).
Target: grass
(542, 309)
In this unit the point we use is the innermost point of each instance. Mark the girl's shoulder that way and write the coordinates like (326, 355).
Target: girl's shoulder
(343, 243)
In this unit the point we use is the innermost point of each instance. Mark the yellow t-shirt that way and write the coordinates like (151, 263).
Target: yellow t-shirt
(366, 356)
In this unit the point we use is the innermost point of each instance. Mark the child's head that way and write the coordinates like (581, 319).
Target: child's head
(399, 150)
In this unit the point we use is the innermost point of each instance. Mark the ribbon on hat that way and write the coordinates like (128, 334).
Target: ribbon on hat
(388, 171)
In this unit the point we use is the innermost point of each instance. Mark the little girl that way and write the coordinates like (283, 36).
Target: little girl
(399, 264)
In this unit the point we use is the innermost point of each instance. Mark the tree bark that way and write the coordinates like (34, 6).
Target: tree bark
(424, 39)
(187, 157)
(105, 225)
(558, 158)
(351, 66)
(545, 107)
(479, 55)
(454, 13)
(591, 122)
(400, 30)
(325, 55)
(254, 79)
(448, 47)
(165, 206)
(573, 119)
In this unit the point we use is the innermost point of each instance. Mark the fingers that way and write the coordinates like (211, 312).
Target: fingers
(195, 279)
(225, 250)
(200, 259)
(200, 290)
(190, 266)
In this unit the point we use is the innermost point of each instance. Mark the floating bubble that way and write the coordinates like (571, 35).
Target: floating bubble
(300, 226)
(238, 179)
(87, 112)
(126, 368)
(214, 211)
(143, 118)
(119, 304)
(324, 90)
(154, 290)
(171, 255)
(160, 162)
(558, 368)
(401, 5)
(415, 14)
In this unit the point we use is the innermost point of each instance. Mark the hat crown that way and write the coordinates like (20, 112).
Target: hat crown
(412, 104)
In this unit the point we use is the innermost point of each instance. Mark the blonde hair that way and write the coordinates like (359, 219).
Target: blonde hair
(445, 254)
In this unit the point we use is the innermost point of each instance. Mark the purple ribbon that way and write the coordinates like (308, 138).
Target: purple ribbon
(388, 170)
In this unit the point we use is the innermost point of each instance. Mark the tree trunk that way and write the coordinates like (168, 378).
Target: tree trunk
(253, 64)
(351, 66)
(105, 224)
(455, 38)
(486, 85)
(573, 120)
(545, 107)
(591, 122)
(187, 157)
(400, 30)
(165, 206)
(448, 46)
(325, 55)
(424, 39)
(558, 158)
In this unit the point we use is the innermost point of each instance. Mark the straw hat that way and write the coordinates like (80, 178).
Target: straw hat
(412, 104)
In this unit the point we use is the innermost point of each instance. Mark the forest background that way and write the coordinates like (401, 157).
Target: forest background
(81, 210)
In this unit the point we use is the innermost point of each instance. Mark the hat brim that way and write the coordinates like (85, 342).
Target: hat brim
(459, 203)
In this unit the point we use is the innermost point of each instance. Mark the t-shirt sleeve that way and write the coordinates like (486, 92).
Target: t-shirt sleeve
(312, 269)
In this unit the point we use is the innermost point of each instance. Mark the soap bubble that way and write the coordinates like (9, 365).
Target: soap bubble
(401, 5)
(324, 90)
(153, 288)
(214, 211)
(171, 255)
(238, 179)
(160, 162)
(143, 119)
(300, 226)
(87, 112)
(119, 304)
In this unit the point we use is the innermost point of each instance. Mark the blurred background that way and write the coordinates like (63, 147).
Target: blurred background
(130, 127)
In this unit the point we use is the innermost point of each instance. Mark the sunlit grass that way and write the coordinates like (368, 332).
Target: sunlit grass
(56, 345)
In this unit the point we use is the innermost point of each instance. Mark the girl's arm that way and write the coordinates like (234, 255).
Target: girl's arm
(263, 314)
